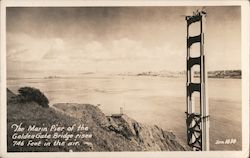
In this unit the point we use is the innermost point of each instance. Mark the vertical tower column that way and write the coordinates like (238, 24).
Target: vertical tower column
(204, 94)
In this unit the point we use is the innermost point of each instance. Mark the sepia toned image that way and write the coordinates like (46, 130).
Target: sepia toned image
(124, 78)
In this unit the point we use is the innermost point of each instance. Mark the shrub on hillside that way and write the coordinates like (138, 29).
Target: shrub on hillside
(27, 94)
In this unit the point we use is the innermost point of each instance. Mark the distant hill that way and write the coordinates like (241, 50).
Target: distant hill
(52, 77)
(235, 74)
(162, 73)
(225, 74)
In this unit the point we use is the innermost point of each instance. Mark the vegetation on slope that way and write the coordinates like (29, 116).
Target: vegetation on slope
(109, 133)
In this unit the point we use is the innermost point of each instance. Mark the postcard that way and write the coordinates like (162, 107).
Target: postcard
(124, 78)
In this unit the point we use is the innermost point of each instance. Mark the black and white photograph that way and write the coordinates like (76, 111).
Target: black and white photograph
(124, 78)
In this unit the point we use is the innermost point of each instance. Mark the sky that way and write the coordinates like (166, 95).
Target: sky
(117, 39)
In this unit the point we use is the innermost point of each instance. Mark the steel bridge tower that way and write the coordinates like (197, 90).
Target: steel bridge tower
(197, 120)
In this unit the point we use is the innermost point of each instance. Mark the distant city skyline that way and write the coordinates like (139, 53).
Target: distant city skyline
(117, 39)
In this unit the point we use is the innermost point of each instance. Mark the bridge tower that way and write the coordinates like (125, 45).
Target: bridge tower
(197, 120)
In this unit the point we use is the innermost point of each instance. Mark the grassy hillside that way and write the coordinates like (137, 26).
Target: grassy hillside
(110, 133)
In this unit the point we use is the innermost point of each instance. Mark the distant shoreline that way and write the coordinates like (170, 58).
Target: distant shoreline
(218, 74)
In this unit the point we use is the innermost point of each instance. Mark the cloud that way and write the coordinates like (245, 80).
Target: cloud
(113, 55)
(117, 38)
(24, 48)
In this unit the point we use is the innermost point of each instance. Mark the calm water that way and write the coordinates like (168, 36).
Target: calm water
(151, 100)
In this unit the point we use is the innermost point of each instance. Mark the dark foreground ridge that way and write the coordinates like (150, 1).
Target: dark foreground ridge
(110, 133)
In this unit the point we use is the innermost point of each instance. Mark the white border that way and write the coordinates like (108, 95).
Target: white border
(67, 3)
